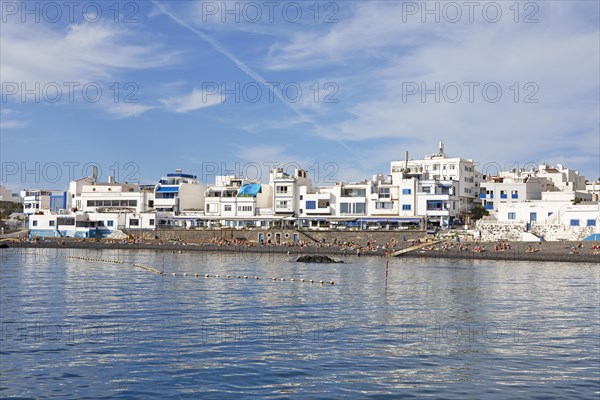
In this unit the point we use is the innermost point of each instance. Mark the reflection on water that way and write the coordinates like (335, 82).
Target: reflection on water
(452, 329)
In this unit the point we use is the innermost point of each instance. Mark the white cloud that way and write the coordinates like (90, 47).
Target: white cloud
(559, 55)
(12, 124)
(126, 110)
(7, 122)
(196, 100)
(81, 53)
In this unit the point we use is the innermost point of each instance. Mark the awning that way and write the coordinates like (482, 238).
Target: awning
(249, 189)
(166, 189)
(396, 219)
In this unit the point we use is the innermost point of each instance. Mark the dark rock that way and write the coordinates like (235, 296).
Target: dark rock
(3, 246)
(317, 259)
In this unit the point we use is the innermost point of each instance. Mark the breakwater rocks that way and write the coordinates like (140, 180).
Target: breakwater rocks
(317, 259)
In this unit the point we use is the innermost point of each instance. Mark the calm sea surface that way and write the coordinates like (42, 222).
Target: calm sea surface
(433, 328)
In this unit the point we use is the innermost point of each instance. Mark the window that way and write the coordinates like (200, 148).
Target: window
(406, 191)
(52, 223)
(245, 208)
(384, 193)
(91, 203)
(574, 222)
(352, 208)
(359, 208)
(151, 223)
(34, 222)
(134, 222)
(354, 192)
(406, 207)
(435, 205)
(311, 205)
(281, 204)
(227, 207)
(503, 194)
(591, 222)
(384, 205)
(282, 189)
(426, 189)
(512, 215)
(345, 208)
(110, 223)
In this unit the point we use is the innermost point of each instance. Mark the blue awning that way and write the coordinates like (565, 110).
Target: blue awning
(409, 219)
(249, 189)
(163, 189)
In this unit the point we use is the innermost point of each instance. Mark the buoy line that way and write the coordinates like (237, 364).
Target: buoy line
(241, 277)
(196, 275)
(97, 259)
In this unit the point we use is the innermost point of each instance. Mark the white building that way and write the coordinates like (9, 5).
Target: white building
(237, 202)
(36, 200)
(438, 201)
(286, 191)
(440, 167)
(98, 210)
(175, 194)
(512, 188)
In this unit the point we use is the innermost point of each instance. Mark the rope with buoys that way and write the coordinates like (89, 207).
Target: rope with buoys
(158, 272)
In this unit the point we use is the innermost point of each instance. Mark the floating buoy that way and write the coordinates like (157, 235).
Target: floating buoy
(311, 281)
(321, 282)
(206, 276)
(292, 279)
(283, 279)
(174, 274)
(331, 282)
(229, 276)
(185, 274)
(216, 276)
(256, 277)
(245, 277)
(302, 280)
(274, 279)
(196, 275)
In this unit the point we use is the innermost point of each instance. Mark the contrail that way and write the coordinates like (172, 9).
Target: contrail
(246, 69)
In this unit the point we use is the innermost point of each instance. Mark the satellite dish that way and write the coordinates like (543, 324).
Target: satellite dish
(95, 173)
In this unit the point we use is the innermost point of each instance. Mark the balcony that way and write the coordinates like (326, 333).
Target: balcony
(482, 196)
(503, 196)
(489, 206)
(514, 196)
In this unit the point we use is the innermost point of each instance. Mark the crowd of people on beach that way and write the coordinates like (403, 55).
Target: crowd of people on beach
(343, 247)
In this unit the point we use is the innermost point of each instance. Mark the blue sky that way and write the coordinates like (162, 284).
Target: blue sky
(189, 85)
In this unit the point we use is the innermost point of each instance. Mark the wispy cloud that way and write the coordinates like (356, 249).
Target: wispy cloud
(8, 119)
(195, 100)
(81, 53)
(126, 110)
